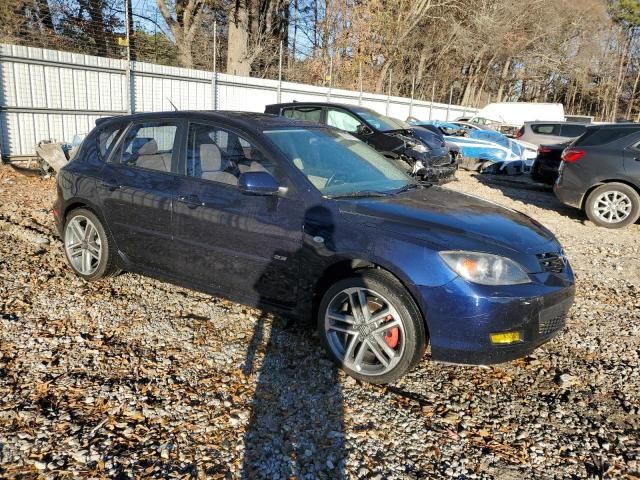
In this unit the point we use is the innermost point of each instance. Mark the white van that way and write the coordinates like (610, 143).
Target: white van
(514, 114)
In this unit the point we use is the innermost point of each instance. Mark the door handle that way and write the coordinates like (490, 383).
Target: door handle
(191, 200)
(637, 159)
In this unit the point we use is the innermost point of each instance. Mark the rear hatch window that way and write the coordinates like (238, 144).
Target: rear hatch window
(602, 136)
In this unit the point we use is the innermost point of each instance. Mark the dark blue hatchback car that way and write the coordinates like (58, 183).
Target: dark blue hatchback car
(309, 220)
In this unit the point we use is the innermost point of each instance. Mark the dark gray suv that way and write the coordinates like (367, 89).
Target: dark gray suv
(600, 173)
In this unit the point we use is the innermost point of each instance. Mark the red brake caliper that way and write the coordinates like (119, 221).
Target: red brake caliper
(392, 335)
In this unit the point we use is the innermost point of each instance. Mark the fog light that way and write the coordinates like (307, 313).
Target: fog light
(505, 337)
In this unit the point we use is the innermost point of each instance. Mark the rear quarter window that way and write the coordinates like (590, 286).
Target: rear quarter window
(572, 130)
(107, 138)
(545, 129)
(602, 136)
(310, 114)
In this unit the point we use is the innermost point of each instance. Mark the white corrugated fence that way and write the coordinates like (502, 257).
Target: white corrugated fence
(54, 95)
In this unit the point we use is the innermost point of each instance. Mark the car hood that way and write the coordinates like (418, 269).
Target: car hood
(450, 220)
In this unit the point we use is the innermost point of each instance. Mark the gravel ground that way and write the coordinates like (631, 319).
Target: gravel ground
(132, 377)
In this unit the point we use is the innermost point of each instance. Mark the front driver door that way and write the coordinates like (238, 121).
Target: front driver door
(243, 245)
(137, 193)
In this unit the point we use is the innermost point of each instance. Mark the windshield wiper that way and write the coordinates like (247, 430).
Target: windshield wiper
(410, 186)
(360, 194)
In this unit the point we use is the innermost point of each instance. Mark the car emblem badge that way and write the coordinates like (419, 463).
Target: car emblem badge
(318, 239)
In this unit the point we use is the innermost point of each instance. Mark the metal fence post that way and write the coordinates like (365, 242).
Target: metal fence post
(389, 93)
(450, 99)
(214, 76)
(433, 96)
(280, 76)
(360, 97)
(330, 79)
(129, 77)
(413, 87)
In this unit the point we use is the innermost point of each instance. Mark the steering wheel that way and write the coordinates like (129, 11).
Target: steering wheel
(337, 179)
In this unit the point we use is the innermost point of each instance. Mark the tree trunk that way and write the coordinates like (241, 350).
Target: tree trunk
(621, 74)
(238, 40)
(503, 79)
(97, 27)
(633, 95)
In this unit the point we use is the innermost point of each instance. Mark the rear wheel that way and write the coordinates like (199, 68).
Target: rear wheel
(613, 205)
(87, 246)
(371, 327)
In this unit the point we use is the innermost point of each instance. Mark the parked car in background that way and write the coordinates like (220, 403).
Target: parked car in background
(312, 222)
(391, 137)
(547, 163)
(600, 173)
(539, 133)
(517, 113)
(452, 148)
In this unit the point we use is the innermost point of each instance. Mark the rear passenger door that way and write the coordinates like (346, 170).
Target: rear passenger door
(137, 189)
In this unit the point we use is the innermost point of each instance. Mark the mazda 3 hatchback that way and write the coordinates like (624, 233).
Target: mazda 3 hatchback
(310, 221)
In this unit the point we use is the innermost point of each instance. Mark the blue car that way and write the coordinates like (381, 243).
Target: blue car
(311, 222)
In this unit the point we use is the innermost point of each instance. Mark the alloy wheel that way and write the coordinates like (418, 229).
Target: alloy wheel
(364, 331)
(613, 206)
(83, 245)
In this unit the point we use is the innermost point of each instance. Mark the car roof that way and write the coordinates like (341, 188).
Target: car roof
(533, 122)
(608, 126)
(250, 121)
(318, 104)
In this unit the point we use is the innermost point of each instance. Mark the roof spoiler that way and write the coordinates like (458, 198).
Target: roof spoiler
(101, 120)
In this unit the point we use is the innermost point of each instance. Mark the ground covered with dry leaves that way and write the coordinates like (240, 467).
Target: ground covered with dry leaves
(132, 377)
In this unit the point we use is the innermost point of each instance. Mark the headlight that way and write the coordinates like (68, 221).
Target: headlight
(484, 268)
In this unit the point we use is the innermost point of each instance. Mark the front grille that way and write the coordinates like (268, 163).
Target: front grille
(551, 262)
(547, 326)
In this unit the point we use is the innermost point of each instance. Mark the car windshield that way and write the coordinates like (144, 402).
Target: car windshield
(381, 122)
(340, 165)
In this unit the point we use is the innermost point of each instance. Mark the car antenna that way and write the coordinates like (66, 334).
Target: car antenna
(174, 107)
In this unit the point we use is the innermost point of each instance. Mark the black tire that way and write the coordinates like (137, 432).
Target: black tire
(106, 265)
(414, 335)
(613, 188)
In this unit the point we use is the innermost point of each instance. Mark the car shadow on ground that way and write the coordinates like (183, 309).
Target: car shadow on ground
(296, 427)
(521, 188)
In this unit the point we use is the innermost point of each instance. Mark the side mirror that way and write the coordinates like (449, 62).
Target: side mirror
(363, 130)
(258, 183)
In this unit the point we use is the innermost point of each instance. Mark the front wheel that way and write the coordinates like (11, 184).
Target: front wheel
(371, 327)
(613, 205)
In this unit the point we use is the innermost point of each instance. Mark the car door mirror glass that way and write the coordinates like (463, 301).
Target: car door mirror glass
(364, 130)
(258, 183)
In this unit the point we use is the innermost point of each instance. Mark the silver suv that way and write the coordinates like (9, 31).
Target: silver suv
(550, 133)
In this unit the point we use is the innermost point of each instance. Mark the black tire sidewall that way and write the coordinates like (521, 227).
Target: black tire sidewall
(415, 331)
(611, 187)
(104, 263)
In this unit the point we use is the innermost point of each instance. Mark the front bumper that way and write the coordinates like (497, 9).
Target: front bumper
(438, 174)
(461, 317)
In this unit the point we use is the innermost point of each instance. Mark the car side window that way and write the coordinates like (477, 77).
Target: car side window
(572, 130)
(106, 139)
(149, 146)
(311, 114)
(602, 136)
(546, 129)
(220, 155)
(342, 120)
